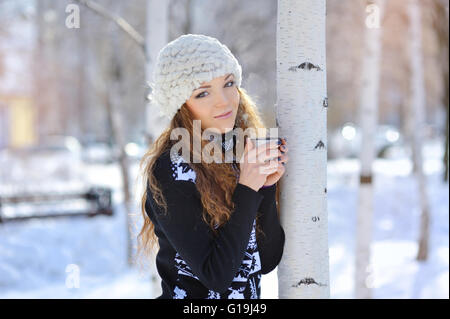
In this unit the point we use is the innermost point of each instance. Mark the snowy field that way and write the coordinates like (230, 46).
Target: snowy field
(40, 258)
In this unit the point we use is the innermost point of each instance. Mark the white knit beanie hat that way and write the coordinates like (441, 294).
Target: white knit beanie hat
(183, 65)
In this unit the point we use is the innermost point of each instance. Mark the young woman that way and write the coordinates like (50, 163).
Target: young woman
(216, 222)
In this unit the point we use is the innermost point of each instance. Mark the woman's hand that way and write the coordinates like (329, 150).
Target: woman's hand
(253, 169)
(273, 178)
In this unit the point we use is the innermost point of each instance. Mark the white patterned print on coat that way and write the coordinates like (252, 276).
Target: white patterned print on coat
(249, 273)
(183, 268)
(246, 282)
(181, 171)
(179, 293)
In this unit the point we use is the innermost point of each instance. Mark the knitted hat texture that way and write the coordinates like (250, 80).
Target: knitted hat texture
(183, 64)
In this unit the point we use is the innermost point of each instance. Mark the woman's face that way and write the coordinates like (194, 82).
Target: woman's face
(214, 98)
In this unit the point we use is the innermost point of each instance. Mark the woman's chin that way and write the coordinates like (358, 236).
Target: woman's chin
(226, 129)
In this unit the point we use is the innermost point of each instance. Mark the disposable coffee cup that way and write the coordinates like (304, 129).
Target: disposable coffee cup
(263, 140)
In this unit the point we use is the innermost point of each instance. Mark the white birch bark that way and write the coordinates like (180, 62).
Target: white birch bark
(156, 37)
(368, 115)
(301, 117)
(418, 121)
(47, 73)
(446, 172)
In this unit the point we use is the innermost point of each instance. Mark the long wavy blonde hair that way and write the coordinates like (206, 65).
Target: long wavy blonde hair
(214, 181)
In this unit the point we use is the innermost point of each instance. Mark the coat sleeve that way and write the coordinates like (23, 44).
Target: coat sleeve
(214, 260)
(271, 244)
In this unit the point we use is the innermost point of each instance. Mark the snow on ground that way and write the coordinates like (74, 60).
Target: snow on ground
(86, 258)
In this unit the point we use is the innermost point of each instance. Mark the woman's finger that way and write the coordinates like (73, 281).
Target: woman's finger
(281, 168)
(282, 158)
(248, 149)
(269, 167)
(268, 151)
(264, 151)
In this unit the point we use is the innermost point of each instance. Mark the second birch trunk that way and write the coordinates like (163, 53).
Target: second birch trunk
(418, 122)
(368, 115)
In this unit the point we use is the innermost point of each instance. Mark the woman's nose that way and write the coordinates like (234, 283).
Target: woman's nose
(221, 99)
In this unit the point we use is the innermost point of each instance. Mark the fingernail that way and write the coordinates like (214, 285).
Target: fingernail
(282, 152)
(279, 158)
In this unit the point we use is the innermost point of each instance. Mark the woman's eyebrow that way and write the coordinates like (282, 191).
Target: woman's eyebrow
(228, 76)
(208, 86)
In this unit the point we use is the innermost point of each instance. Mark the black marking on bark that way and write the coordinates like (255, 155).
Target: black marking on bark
(305, 66)
(325, 190)
(315, 218)
(365, 179)
(320, 145)
(325, 102)
(308, 281)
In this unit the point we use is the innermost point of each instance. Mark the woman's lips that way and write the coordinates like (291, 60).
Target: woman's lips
(224, 116)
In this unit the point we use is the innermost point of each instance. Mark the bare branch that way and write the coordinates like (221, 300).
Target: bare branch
(121, 22)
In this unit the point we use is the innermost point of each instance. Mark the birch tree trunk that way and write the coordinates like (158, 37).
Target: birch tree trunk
(445, 176)
(115, 104)
(418, 121)
(81, 81)
(114, 101)
(47, 73)
(442, 10)
(301, 117)
(39, 81)
(156, 37)
(368, 115)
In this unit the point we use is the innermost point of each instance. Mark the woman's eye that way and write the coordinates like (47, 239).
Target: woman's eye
(200, 95)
